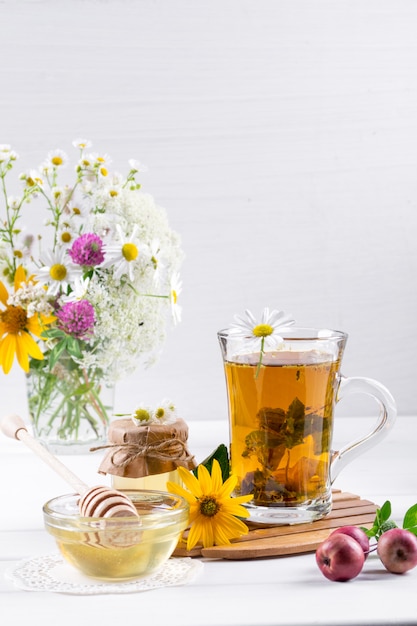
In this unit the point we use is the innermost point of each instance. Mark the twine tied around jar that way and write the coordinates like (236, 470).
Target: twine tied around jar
(166, 450)
(141, 451)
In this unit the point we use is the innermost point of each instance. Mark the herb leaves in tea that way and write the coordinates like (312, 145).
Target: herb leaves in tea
(278, 433)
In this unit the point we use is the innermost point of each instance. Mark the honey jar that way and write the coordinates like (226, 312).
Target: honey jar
(146, 456)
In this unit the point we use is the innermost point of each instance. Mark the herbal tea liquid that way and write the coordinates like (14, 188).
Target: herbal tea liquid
(281, 426)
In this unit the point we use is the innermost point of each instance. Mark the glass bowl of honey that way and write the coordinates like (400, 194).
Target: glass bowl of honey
(118, 548)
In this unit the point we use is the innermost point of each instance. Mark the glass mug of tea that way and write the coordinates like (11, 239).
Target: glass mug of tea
(281, 403)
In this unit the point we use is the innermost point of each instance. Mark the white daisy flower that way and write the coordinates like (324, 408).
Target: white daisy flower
(153, 251)
(175, 290)
(262, 334)
(57, 158)
(165, 413)
(66, 234)
(101, 163)
(57, 272)
(265, 331)
(77, 210)
(7, 154)
(123, 255)
(32, 179)
(81, 144)
(14, 202)
(142, 416)
(79, 290)
(101, 158)
(46, 169)
(114, 189)
(86, 163)
(137, 166)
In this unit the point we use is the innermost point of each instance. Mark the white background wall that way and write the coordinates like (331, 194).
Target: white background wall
(281, 137)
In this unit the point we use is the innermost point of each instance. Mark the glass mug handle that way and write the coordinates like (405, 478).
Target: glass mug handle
(387, 416)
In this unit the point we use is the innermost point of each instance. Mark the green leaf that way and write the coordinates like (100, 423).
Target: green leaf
(296, 410)
(369, 532)
(73, 347)
(410, 518)
(53, 333)
(56, 353)
(222, 456)
(382, 523)
(384, 513)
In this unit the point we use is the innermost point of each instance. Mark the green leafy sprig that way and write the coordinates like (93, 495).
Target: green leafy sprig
(383, 521)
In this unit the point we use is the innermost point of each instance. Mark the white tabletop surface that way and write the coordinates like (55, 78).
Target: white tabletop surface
(262, 592)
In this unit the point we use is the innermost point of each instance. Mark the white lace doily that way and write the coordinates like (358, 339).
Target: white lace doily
(51, 573)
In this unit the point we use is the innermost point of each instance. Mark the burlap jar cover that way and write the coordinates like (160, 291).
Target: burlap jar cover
(137, 451)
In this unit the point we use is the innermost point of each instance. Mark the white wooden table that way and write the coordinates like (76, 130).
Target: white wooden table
(274, 591)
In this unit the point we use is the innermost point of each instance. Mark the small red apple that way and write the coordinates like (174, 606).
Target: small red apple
(397, 549)
(340, 557)
(358, 534)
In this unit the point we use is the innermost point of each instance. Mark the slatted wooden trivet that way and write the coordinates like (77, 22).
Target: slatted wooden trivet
(265, 541)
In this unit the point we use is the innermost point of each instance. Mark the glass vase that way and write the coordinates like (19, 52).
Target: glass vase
(69, 408)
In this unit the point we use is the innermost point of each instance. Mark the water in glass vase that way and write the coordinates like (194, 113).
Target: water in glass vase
(69, 408)
(281, 426)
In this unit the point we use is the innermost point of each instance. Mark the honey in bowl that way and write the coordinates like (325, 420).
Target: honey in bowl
(122, 548)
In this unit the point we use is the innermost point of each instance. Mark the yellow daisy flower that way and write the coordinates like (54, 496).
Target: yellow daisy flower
(213, 512)
(17, 328)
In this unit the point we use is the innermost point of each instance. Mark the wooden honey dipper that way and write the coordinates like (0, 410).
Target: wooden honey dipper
(94, 501)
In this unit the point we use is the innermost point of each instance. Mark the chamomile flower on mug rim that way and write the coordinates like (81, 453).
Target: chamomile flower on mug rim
(259, 335)
(266, 330)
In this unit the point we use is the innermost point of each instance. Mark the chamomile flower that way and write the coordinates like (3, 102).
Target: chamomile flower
(32, 180)
(101, 163)
(261, 334)
(57, 272)
(76, 210)
(86, 164)
(175, 290)
(142, 416)
(153, 252)
(79, 290)
(14, 202)
(7, 155)
(66, 234)
(57, 158)
(213, 512)
(165, 413)
(113, 190)
(124, 254)
(81, 144)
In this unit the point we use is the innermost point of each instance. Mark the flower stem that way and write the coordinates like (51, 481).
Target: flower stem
(261, 354)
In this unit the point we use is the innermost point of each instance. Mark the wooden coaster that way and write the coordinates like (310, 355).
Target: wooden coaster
(265, 541)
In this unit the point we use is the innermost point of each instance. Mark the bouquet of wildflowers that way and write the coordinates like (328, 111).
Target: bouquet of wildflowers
(82, 305)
